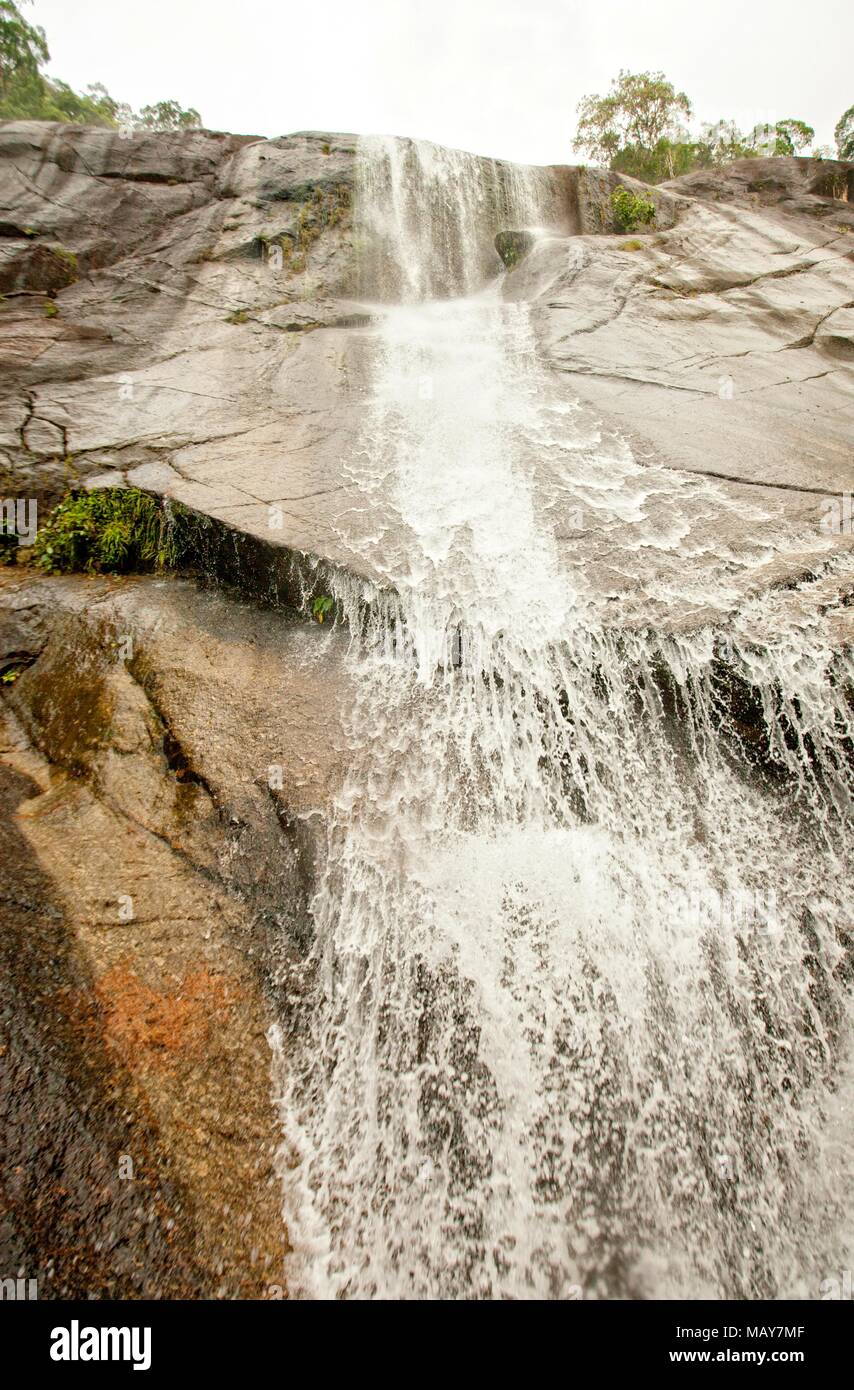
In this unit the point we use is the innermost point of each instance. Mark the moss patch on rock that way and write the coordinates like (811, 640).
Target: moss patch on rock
(119, 530)
(512, 247)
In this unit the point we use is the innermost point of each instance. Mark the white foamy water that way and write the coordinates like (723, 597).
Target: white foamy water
(427, 216)
(578, 1000)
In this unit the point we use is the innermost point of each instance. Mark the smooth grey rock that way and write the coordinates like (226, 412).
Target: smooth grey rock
(721, 348)
(211, 347)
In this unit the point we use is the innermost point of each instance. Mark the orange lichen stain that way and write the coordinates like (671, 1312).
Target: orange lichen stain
(136, 1017)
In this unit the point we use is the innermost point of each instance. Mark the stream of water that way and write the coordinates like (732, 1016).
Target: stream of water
(577, 1008)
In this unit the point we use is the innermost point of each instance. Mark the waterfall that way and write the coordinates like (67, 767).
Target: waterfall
(573, 1018)
(428, 216)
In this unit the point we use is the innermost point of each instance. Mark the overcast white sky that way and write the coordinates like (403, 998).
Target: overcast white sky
(498, 77)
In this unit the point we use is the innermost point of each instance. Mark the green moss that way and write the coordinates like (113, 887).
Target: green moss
(239, 316)
(320, 209)
(633, 245)
(51, 310)
(117, 529)
(67, 260)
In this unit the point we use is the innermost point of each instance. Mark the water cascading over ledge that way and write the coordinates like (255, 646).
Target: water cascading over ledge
(428, 216)
(577, 1009)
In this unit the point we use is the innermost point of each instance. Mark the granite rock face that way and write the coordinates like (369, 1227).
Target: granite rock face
(722, 342)
(165, 757)
(180, 314)
(185, 272)
(720, 349)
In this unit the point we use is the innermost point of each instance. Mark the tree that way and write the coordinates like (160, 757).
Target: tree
(23, 47)
(638, 129)
(26, 94)
(792, 136)
(666, 160)
(167, 115)
(844, 135)
(640, 111)
(719, 143)
(783, 138)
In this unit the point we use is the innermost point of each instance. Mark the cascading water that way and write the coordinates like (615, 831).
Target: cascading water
(427, 216)
(575, 1013)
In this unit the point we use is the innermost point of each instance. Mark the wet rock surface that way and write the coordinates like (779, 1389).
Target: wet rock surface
(70, 1112)
(720, 345)
(165, 756)
(182, 313)
(719, 350)
(512, 247)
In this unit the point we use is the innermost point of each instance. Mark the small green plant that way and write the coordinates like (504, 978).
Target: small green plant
(239, 316)
(51, 310)
(631, 210)
(633, 245)
(8, 547)
(321, 607)
(115, 529)
(320, 209)
(326, 149)
(9, 677)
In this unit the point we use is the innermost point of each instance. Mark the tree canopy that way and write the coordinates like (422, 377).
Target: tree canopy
(844, 134)
(640, 110)
(639, 128)
(27, 94)
(23, 47)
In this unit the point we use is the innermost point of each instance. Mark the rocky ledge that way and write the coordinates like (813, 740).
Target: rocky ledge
(180, 312)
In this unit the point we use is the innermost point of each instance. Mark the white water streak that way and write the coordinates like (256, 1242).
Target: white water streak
(518, 1060)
